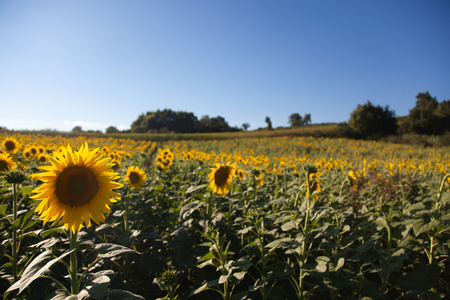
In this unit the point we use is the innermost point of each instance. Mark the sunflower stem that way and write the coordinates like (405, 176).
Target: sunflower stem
(73, 262)
(14, 241)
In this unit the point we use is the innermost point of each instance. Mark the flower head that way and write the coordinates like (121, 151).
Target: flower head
(221, 177)
(6, 163)
(135, 177)
(10, 145)
(76, 188)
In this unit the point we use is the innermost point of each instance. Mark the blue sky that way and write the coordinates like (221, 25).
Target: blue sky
(103, 63)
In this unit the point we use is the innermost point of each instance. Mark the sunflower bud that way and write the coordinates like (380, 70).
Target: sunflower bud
(310, 168)
(15, 176)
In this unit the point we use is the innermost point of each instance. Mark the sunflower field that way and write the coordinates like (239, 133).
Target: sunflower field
(248, 218)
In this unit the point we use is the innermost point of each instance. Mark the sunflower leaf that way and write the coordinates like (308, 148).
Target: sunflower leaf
(107, 250)
(45, 233)
(36, 268)
(3, 209)
(123, 295)
(193, 188)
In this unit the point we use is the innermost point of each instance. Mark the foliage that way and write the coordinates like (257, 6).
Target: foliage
(77, 129)
(296, 120)
(269, 123)
(112, 129)
(380, 233)
(164, 121)
(369, 121)
(429, 116)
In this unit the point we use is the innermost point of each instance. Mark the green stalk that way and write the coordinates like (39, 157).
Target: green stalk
(73, 262)
(14, 242)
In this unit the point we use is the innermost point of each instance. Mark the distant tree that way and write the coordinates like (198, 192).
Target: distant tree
(112, 129)
(307, 119)
(269, 123)
(443, 117)
(216, 124)
(245, 126)
(166, 121)
(422, 118)
(295, 120)
(368, 121)
(77, 129)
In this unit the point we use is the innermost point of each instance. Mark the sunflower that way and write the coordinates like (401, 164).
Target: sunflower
(6, 163)
(76, 188)
(10, 145)
(241, 174)
(27, 154)
(135, 177)
(42, 158)
(220, 178)
(259, 178)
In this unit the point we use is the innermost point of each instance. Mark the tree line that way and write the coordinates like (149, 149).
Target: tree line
(428, 117)
(167, 120)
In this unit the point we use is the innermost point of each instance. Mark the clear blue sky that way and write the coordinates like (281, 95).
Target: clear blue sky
(100, 63)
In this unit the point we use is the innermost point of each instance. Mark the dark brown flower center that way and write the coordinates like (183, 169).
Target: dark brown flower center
(134, 177)
(221, 176)
(76, 186)
(3, 166)
(10, 145)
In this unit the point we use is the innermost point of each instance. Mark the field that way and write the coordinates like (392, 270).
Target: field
(289, 217)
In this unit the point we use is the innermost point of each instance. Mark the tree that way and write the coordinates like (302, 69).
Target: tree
(77, 129)
(216, 124)
(112, 129)
(368, 121)
(307, 119)
(443, 115)
(422, 118)
(269, 123)
(295, 120)
(166, 121)
(245, 126)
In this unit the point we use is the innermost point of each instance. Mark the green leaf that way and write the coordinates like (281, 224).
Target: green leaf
(98, 286)
(45, 233)
(322, 264)
(122, 295)
(239, 296)
(26, 190)
(340, 263)
(3, 208)
(420, 226)
(107, 250)
(380, 223)
(36, 268)
(445, 199)
(293, 224)
(193, 188)
(415, 281)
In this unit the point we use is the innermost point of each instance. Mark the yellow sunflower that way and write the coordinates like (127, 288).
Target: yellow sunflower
(135, 177)
(76, 188)
(221, 177)
(10, 145)
(6, 163)
(241, 174)
(259, 178)
(42, 158)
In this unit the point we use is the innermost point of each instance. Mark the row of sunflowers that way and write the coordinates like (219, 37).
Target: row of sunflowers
(270, 218)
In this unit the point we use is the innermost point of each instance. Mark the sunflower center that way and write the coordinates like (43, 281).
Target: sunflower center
(76, 186)
(3, 166)
(10, 145)
(221, 176)
(134, 177)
